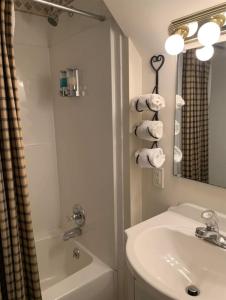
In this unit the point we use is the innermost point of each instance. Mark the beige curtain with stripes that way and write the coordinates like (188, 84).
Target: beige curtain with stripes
(19, 278)
(194, 131)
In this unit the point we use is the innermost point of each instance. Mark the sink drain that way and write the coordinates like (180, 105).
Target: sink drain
(192, 290)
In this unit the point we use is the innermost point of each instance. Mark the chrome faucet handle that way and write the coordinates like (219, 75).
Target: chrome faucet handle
(211, 220)
(79, 215)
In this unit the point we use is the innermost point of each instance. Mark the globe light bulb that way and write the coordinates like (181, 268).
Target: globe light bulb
(205, 53)
(209, 33)
(192, 28)
(174, 44)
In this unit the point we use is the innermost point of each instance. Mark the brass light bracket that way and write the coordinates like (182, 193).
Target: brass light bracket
(219, 19)
(214, 13)
(183, 31)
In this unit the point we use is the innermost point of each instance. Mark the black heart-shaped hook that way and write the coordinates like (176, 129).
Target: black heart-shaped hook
(157, 61)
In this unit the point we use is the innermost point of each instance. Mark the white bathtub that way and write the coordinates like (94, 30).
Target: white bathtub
(67, 278)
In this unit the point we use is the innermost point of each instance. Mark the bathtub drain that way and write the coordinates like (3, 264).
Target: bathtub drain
(192, 290)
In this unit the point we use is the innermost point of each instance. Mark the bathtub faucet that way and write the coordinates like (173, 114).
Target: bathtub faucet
(72, 233)
(79, 218)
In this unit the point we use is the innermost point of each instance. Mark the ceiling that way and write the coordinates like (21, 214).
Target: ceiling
(28, 6)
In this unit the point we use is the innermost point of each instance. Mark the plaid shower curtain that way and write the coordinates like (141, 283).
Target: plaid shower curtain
(194, 131)
(19, 278)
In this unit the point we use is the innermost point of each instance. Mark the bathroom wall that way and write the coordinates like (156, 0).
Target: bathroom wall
(36, 102)
(146, 23)
(84, 131)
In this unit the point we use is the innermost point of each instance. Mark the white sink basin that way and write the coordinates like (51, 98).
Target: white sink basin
(165, 253)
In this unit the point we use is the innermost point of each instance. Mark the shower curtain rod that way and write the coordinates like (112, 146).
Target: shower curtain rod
(72, 10)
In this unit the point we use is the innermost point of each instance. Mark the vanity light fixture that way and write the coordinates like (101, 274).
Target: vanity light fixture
(175, 43)
(206, 26)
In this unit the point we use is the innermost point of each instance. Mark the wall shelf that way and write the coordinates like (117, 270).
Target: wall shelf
(69, 82)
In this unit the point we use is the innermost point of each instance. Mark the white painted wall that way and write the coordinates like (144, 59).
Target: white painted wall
(146, 23)
(84, 136)
(36, 103)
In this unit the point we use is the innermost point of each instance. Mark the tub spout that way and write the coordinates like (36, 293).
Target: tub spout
(72, 233)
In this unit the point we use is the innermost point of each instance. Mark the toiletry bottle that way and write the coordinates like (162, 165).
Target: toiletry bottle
(63, 83)
(72, 86)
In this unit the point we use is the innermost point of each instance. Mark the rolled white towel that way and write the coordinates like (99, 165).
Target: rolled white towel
(148, 102)
(179, 102)
(150, 158)
(149, 130)
(177, 155)
(177, 127)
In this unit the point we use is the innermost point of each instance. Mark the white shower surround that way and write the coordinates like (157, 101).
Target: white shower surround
(103, 233)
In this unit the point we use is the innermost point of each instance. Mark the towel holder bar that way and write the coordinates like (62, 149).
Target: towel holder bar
(156, 63)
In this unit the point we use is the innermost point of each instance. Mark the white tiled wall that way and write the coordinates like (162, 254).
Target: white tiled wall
(36, 103)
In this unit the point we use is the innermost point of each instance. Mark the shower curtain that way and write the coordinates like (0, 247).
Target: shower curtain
(194, 131)
(19, 278)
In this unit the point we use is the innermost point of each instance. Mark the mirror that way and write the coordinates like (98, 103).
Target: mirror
(200, 118)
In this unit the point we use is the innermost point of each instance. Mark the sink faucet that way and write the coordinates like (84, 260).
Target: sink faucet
(211, 233)
(79, 218)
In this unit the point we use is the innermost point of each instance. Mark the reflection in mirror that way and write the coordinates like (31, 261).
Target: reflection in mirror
(200, 118)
